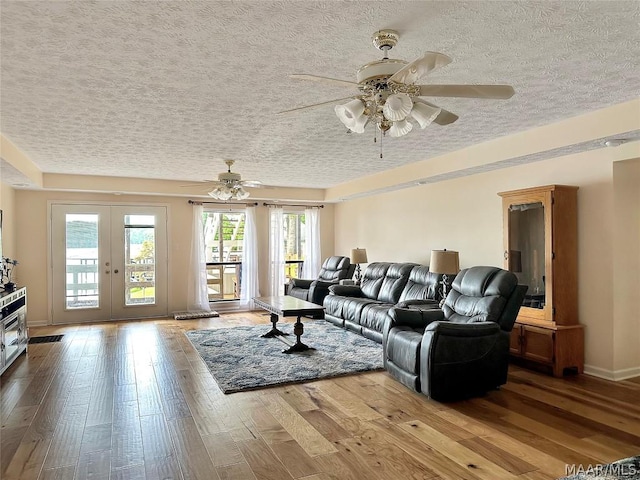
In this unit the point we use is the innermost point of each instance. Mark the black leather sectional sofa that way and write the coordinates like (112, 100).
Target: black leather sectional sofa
(364, 309)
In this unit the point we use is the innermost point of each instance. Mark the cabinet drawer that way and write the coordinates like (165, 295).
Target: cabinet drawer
(538, 344)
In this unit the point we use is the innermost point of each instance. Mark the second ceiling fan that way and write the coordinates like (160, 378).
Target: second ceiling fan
(389, 97)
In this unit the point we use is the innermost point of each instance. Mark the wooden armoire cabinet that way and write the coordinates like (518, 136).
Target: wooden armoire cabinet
(541, 248)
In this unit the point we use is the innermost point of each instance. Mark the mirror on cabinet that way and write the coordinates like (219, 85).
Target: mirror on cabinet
(526, 254)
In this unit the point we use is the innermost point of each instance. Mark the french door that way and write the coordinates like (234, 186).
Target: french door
(109, 262)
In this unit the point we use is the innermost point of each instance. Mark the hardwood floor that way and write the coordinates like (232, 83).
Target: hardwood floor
(133, 400)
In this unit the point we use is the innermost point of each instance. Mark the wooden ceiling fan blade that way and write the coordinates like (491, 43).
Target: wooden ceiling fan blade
(317, 78)
(412, 72)
(468, 91)
(306, 107)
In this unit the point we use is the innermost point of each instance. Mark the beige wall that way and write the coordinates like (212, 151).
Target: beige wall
(626, 265)
(7, 202)
(465, 214)
(32, 250)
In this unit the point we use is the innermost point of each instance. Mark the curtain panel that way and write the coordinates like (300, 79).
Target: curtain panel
(249, 283)
(276, 252)
(312, 260)
(198, 297)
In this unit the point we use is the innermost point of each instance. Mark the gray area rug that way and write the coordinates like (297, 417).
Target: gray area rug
(625, 469)
(239, 359)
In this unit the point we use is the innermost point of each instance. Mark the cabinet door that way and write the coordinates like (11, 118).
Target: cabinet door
(538, 344)
(528, 249)
(515, 341)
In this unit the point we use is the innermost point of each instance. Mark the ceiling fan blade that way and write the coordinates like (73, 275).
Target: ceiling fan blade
(316, 78)
(468, 91)
(251, 183)
(412, 72)
(445, 117)
(315, 105)
(205, 183)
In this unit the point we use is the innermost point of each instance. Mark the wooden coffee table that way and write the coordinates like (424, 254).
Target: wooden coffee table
(286, 306)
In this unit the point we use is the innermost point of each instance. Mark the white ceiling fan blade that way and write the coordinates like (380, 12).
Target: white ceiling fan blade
(412, 72)
(252, 183)
(445, 117)
(204, 183)
(314, 105)
(468, 91)
(316, 78)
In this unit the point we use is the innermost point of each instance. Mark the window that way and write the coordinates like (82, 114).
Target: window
(223, 237)
(294, 239)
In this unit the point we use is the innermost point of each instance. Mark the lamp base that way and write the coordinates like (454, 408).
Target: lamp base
(358, 275)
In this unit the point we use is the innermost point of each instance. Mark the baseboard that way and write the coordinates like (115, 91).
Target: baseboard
(614, 375)
(36, 323)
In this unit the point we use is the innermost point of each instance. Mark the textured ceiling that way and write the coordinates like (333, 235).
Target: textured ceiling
(167, 90)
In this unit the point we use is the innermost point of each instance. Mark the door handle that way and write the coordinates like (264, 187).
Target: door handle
(107, 271)
(115, 271)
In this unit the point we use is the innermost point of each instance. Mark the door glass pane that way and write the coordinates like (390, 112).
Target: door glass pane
(223, 238)
(526, 250)
(82, 282)
(140, 259)
(294, 240)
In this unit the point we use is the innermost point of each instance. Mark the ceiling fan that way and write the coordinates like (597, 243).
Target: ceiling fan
(388, 95)
(229, 185)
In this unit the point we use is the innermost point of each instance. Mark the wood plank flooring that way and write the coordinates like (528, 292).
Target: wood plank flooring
(133, 400)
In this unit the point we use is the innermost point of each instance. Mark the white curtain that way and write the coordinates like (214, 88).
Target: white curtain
(198, 298)
(276, 252)
(312, 260)
(249, 284)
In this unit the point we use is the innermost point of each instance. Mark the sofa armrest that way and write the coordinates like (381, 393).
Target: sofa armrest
(451, 343)
(300, 283)
(318, 290)
(346, 290)
(413, 318)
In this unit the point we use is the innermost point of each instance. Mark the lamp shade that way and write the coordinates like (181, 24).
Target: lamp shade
(358, 255)
(444, 262)
(400, 128)
(351, 114)
(397, 107)
(424, 114)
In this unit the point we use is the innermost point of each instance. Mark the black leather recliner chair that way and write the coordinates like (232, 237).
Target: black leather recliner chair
(460, 350)
(333, 270)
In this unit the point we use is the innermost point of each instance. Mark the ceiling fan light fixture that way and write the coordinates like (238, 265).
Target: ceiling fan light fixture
(359, 124)
(222, 192)
(400, 128)
(424, 114)
(397, 107)
(241, 193)
(350, 113)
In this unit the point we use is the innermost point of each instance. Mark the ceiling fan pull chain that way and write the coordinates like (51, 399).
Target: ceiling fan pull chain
(381, 135)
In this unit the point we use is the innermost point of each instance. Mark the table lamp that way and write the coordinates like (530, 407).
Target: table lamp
(358, 256)
(444, 262)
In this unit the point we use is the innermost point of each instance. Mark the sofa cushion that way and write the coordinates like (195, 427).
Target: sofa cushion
(352, 308)
(479, 295)
(372, 279)
(422, 285)
(394, 282)
(334, 269)
(375, 315)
